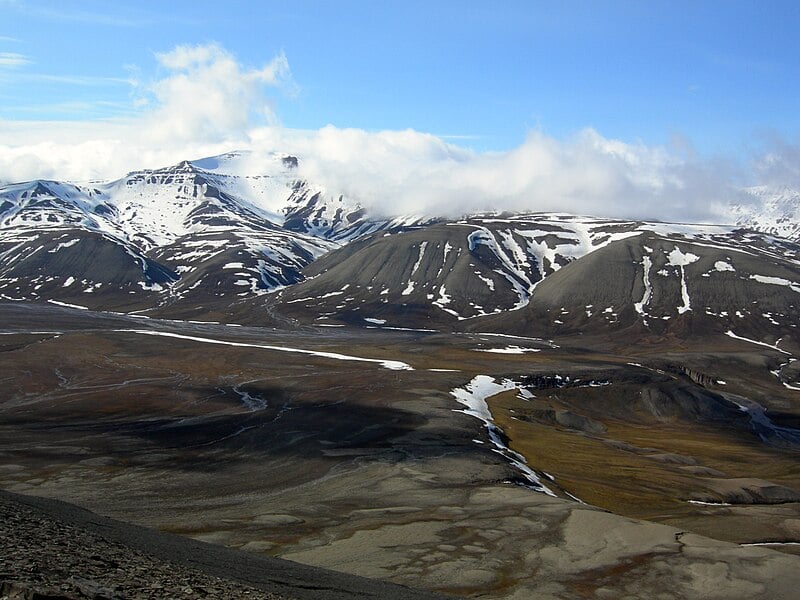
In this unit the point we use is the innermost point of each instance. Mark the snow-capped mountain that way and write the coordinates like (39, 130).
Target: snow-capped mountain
(153, 237)
(237, 226)
(772, 210)
(224, 227)
(299, 205)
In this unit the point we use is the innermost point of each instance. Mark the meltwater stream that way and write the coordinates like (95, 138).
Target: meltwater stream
(762, 425)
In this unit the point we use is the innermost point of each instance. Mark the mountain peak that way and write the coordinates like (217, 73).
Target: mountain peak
(258, 212)
(774, 210)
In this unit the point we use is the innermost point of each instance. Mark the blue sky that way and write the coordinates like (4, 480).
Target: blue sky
(718, 74)
(647, 109)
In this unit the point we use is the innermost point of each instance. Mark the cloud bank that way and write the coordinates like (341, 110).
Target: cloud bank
(586, 174)
(207, 103)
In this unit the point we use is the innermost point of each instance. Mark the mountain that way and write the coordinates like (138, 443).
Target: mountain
(56, 242)
(686, 283)
(774, 210)
(179, 235)
(542, 274)
(200, 232)
(447, 271)
(203, 235)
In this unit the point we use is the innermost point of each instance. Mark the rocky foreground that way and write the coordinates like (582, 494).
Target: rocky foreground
(51, 550)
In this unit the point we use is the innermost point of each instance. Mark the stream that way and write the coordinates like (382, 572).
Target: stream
(762, 425)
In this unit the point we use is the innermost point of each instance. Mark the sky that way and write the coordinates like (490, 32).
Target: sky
(619, 104)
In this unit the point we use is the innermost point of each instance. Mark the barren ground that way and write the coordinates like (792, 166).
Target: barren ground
(366, 468)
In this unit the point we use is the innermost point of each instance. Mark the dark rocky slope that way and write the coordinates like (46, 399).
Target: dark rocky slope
(51, 550)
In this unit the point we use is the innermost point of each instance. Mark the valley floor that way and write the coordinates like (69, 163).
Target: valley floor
(392, 454)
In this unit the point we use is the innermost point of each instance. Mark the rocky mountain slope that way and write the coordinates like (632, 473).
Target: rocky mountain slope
(202, 236)
(554, 274)
(684, 282)
(57, 551)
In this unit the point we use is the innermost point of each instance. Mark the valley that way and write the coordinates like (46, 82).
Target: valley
(356, 454)
(497, 405)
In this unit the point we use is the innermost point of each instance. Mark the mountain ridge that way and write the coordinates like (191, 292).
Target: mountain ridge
(209, 234)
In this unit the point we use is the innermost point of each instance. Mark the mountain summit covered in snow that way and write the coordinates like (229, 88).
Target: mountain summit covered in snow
(774, 210)
(202, 236)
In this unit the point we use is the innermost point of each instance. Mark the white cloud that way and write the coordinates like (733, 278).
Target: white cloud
(407, 171)
(207, 103)
(209, 96)
(13, 59)
(779, 163)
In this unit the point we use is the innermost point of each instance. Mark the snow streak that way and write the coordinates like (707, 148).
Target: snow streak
(394, 365)
(474, 396)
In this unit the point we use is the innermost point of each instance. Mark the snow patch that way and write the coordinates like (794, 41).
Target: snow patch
(730, 333)
(62, 245)
(723, 266)
(648, 290)
(509, 350)
(474, 396)
(393, 365)
(66, 304)
(680, 259)
(776, 281)
(422, 247)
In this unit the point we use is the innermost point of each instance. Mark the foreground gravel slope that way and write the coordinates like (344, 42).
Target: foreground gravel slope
(54, 550)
